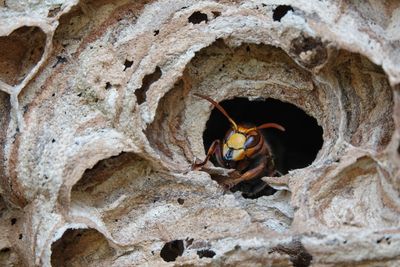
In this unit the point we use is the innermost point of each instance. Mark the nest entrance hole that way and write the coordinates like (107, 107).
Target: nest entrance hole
(295, 148)
(172, 250)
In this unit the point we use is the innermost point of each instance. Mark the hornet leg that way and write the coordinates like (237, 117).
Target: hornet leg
(215, 149)
(248, 175)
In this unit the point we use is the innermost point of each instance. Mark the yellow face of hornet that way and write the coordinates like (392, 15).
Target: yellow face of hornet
(240, 143)
(234, 147)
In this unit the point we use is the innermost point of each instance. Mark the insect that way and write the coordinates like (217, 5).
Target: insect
(243, 148)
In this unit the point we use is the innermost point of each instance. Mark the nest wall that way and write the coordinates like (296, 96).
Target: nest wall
(99, 127)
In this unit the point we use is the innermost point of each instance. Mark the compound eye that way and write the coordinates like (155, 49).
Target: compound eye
(251, 141)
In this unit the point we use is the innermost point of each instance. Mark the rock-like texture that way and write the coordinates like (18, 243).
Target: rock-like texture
(99, 127)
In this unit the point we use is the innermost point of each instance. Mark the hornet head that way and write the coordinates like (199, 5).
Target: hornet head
(241, 142)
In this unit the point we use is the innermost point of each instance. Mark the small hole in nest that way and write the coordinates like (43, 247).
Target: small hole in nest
(13, 221)
(156, 32)
(197, 17)
(148, 80)
(108, 85)
(280, 11)
(127, 64)
(172, 250)
(5, 250)
(206, 253)
(181, 201)
(295, 148)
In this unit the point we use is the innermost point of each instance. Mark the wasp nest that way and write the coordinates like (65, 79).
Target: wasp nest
(99, 126)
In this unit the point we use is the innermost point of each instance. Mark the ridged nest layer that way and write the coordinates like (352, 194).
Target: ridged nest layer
(99, 127)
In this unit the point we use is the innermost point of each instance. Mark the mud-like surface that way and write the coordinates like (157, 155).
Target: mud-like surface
(99, 127)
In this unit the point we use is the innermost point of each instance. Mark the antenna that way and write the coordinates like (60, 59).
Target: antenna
(218, 106)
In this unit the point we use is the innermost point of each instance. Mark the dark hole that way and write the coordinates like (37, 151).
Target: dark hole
(156, 32)
(127, 64)
(295, 148)
(53, 140)
(79, 95)
(108, 85)
(280, 11)
(148, 80)
(20, 236)
(207, 253)
(254, 189)
(181, 201)
(53, 94)
(5, 250)
(198, 17)
(172, 250)
(13, 221)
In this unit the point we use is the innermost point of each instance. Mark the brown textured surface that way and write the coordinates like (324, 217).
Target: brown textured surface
(99, 127)
(22, 50)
